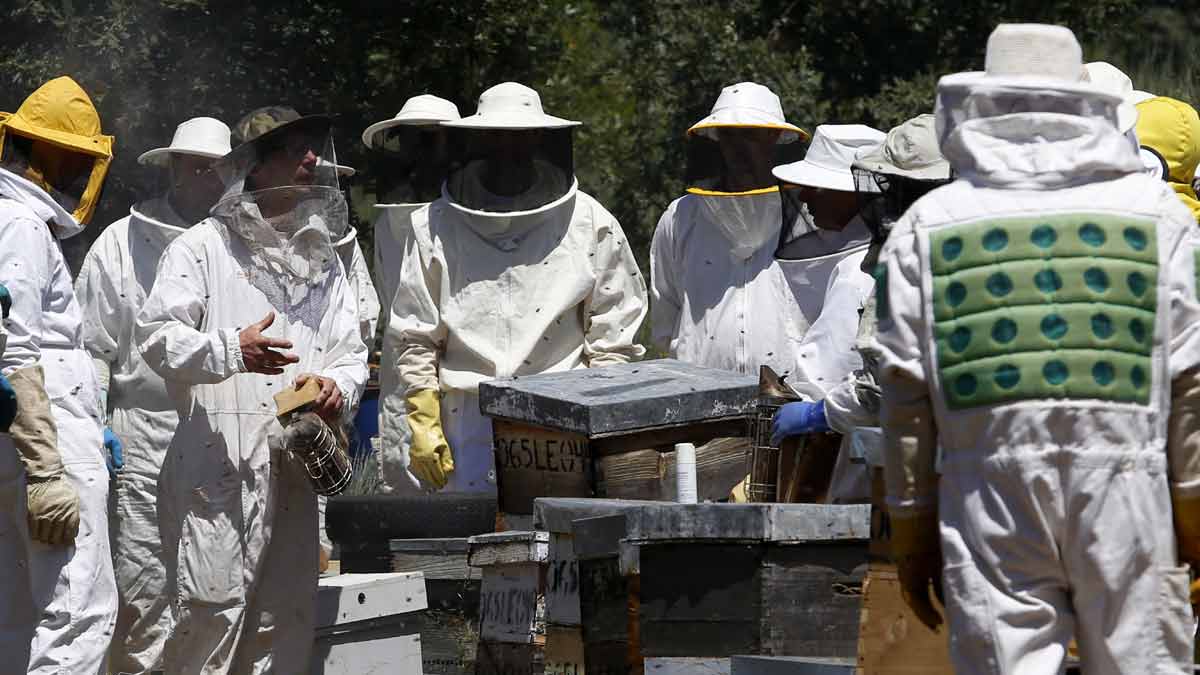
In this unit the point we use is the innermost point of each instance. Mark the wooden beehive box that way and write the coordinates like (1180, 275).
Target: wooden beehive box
(364, 526)
(566, 626)
(719, 580)
(450, 627)
(366, 622)
(892, 641)
(549, 428)
(511, 602)
(608, 597)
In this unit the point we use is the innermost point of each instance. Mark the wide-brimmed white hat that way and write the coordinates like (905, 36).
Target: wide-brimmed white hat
(911, 150)
(424, 109)
(748, 105)
(510, 105)
(1111, 79)
(833, 150)
(1033, 56)
(200, 136)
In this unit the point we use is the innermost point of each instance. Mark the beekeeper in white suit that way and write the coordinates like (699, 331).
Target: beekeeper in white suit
(57, 577)
(891, 177)
(258, 121)
(113, 282)
(1039, 321)
(821, 253)
(238, 511)
(367, 298)
(409, 156)
(515, 271)
(719, 297)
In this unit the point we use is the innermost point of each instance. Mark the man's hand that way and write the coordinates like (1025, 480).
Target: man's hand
(258, 350)
(328, 405)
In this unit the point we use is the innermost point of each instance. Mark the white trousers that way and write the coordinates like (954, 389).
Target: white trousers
(144, 610)
(1042, 547)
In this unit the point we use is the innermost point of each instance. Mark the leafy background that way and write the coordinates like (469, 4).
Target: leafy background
(637, 73)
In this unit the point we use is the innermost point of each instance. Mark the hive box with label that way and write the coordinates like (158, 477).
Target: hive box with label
(549, 428)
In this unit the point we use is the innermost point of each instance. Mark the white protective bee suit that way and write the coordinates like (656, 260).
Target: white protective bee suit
(541, 282)
(393, 235)
(57, 603)
(114, 280)
(239, 513)
(367, 301)
(823, 267)
(824, 270)
(1034, 314)
(359, 275)
(411, 166)
(719, 298)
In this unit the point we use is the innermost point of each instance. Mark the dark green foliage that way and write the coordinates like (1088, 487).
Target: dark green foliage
(637, 73)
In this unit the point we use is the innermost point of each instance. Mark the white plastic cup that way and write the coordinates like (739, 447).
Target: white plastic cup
(685, 473)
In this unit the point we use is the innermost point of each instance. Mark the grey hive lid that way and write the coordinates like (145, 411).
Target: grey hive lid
(625, 398)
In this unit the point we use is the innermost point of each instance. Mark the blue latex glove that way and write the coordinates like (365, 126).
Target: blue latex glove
(5, 301)
(114, 453)
(8, 404)
(797, 419)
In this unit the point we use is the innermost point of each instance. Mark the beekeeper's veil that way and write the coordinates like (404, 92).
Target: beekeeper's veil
(511, 164)
(730, 156)
(409, 152)
(283, 200)
(54, 141)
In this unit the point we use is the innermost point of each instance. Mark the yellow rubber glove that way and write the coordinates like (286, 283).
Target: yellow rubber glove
(429, 457)
(917, 551)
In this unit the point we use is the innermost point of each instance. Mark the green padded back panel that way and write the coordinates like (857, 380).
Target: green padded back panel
(1050, 307)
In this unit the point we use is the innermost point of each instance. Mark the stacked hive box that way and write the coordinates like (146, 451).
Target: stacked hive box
(369, 623)
(511, 601)
(363, 526)
(573, 634)
(718, 580)
(449, 628)
(892, 641)
(551, 430)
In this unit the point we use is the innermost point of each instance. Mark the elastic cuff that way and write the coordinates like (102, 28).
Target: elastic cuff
(44, 476)
(233, 350)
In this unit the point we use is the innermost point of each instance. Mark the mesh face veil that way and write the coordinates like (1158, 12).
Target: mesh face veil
(64, 174)
(283, 200)
(736, 161)
(797, 221)
(883, 198)
(509, 171)
(409, 163)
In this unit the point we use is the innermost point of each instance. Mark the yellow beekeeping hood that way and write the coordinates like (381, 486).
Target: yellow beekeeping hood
(63, 123)
(1172, 129)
